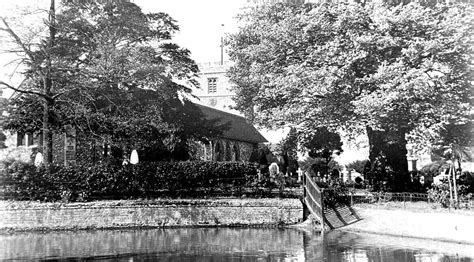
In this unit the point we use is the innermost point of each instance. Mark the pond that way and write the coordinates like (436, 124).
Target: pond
(224, 244)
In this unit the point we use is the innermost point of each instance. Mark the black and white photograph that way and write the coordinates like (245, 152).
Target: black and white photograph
(237, 130)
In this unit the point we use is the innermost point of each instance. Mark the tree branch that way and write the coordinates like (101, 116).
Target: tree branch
(23, 91)
(18, 41)
(62, 93)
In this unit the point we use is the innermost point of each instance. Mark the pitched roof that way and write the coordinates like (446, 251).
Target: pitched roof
(239, 127)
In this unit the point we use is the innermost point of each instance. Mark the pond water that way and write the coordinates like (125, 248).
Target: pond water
(225, 244)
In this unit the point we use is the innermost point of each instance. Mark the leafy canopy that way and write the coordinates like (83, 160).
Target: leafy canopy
(345, 65)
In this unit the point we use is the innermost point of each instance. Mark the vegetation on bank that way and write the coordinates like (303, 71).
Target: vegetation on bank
(155, 202)
(147, 179)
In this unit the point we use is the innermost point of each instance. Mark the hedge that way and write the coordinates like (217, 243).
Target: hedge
(147, 179)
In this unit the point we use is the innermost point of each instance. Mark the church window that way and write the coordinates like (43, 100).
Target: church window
(21, 139)
(212, 85)
(228, 153)
(218, 150)
(237, 152)
(24, 139)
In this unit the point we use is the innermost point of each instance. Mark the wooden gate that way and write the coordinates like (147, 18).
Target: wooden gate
(329, 217)
(313, 198)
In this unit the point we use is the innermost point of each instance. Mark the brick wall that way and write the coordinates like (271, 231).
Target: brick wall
(125, 214)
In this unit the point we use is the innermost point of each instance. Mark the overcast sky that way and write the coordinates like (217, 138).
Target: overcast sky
(200, 23)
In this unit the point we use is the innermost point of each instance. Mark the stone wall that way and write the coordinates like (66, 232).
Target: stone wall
(246, 150)
(222, 97)
(21, 154)
(126, 214)
(87, 151)
(27, 153)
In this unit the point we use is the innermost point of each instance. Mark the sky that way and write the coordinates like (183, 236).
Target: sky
(200, 23)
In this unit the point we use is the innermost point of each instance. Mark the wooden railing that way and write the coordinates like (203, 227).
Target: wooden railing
(313, 198)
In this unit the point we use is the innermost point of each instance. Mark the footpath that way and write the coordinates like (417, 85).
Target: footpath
(440, 225)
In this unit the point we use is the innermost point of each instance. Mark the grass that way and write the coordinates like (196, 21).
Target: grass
(420, 206)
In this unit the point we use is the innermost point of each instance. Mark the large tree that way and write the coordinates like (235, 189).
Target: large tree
(38, 57)
(117, 78)
(376, 69)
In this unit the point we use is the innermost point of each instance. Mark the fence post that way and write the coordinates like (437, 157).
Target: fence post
(304, 187)
(305, 208)
(322, 212)
(403, 200)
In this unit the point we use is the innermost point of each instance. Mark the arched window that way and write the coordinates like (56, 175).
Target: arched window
(228, 152)
(218, 150)
(237, 151)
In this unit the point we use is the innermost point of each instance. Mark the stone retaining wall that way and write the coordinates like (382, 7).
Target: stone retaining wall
(21, 216)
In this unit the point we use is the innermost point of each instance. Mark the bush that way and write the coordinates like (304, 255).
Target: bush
(25, 181)
(336, 192)
(440, 194)
(22, 180)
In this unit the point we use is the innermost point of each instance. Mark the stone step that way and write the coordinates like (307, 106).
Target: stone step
(340, 216)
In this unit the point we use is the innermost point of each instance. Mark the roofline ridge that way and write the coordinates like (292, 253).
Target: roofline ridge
(215, 109)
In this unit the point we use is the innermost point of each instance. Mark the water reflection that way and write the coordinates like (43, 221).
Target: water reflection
(224, 244)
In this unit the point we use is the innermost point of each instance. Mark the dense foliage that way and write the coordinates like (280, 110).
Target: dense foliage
(374, 69)
(440, 194)
(335, 193)
(147, 179)
(287, 150)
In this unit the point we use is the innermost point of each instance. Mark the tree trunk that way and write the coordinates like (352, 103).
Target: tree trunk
(47, 135)
(47, 88)
(387, 154)
(450, 187)
(455, 186)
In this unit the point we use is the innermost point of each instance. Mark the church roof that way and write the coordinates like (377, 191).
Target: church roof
(240, 128)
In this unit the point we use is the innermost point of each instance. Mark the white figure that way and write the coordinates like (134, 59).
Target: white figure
(134, 157)
(38, 159)
(274, 169)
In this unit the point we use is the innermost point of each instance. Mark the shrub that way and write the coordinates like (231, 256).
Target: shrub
(22, 180)
(440, 194)
(25, 181)
(336, 192)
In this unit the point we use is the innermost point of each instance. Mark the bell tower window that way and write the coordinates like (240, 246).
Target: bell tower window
(212, 85)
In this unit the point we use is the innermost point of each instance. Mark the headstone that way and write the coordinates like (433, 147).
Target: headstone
(38, 159)
(134, 157)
